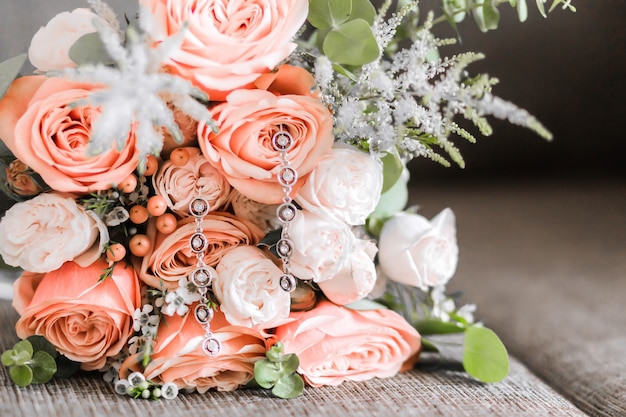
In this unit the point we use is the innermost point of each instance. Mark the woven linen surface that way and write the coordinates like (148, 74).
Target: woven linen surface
(434, 388)
(546, 263)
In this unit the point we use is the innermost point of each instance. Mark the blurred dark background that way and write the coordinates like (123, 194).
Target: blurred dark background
(569, 71)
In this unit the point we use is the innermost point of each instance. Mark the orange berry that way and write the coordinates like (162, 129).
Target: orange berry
(156, 205)
(115, 252)
(179, 156)
(138, 214)
(139, 245)
(166, 223)
(129, 184)
(151, 165)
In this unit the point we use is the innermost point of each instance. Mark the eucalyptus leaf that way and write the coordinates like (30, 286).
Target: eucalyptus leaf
(429, 346)
(484, 355)
(289, 386)
(9, 70)
(22, 375)
(363, 9)
(365, 305)
(352, 43)
(40, 343)
(23, 348)
(44, 367)
(289, 363)
(429, 327)
(392, 170)
(7, 358)
(89, 50)
(325, 14)
(266, 373)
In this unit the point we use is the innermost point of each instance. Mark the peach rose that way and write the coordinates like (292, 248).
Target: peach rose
(227, 45)
(248, 289)
(287, 80)
(178, 356)
(188, 127)
(336, 344)
(171, 257)
(242, 149)
(42, 233)
(417, 252)
(49, 48)
(346, 185)
(85, 318)
(357, 278)
(41, 126)
(179, 185)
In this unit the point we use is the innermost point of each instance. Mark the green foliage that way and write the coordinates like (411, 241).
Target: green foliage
(30, 364)
(430, 327)
(9, 70)
(278, 373)
(89, 50)
(484, 355)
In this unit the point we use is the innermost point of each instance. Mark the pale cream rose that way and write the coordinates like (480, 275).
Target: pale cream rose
(248, 289)
(41, 234)
(346, 185)
(418, 252)
(179, 185)
(171, 258)
(227, 45)
(322, 246)
(49, 49)
(336, 344)
(357, 279)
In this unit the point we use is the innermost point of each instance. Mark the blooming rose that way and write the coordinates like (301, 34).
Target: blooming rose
(248, 289)
(356, 279)
(41, 125)
(242, 149)
(336, 344)
(42, 233)
(178, 356)
(85, 318)
(322, 246)
(346, 185)
(179, 185)
(418, 252)
(288, 79)
(188, 127)
(171, 257)
(49, 48)
(227, 45)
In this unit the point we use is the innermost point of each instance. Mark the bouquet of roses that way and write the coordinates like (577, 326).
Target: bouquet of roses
(214, 196)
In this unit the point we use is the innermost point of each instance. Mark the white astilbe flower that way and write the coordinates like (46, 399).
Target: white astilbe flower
(137, 93)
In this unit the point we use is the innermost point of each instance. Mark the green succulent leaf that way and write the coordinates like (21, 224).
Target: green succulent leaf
(428, 327)
(484, 355)
(324, 14)
(43, 366)
(22, 375)
(288, 386)
(9, 70)
(352, 43)
(89, 50)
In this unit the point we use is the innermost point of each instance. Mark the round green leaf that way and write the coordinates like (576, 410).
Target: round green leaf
(9, 70)
(363, 9)
(352, 43)
(7, 358)
(44, 367)
(289, 386)
(89, 49)
(289, 363)
(40, 343)
(266, 373)
(325, 14)
(22, 352)
(22, 375)
(392, 170)
(484, 355)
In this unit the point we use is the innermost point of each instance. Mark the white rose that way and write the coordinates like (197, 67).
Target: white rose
(49, 48)
(248, 289)
(357, 279)
(418, 252)
(322, 246)
(346, 185)
(41, 234)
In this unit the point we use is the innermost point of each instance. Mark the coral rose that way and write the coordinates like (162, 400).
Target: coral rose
(42, 126)
(418, 252)
(179, 185)
(42, 233)
(50, 46)
(85, 318)
(178, 356)
(242, 149)
(336, 344)
(228, 45)
(248, 289)
(171, 258)
(346, 185)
